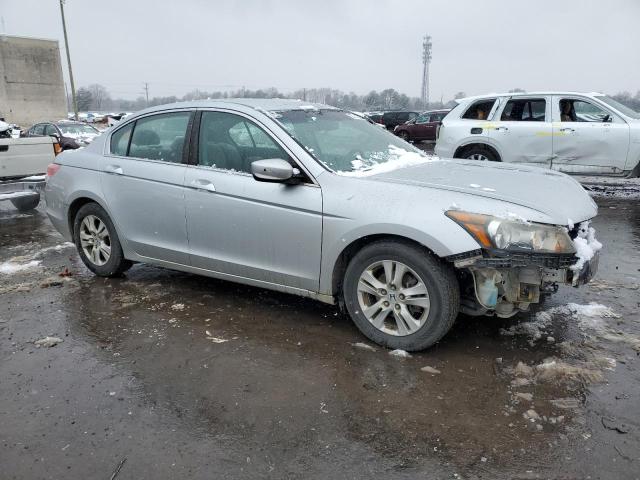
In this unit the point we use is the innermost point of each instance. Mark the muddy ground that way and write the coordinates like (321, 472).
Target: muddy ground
(180, 376)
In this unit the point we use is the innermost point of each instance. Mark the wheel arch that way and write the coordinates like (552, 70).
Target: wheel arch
(348, 252)
(82, 198)
(460, 151)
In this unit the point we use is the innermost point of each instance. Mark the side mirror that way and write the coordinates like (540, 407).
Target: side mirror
(272, 170)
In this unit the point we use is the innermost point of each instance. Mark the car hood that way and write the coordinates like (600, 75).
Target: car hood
(554, 194)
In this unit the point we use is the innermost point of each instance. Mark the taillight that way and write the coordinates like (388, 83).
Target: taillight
(56, 148)
(52, 169)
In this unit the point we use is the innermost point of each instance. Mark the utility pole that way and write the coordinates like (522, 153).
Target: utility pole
(66, 44)
(146, 91)
(426, 60)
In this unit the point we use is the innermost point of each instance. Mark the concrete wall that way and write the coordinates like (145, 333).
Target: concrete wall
(31, 83)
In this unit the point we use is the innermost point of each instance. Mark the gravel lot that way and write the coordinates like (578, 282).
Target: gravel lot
(169, 375)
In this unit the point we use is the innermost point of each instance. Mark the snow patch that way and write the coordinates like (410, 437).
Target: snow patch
(586, 245)
(400, 353)
(381, 162)
(363, 346)
(9, 267)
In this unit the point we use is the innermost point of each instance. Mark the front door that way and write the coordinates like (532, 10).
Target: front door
(522, 130)
(587, 138)
(267, 232)
(142, 180)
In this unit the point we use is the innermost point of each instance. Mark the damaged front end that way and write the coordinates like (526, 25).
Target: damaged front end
(519, 261)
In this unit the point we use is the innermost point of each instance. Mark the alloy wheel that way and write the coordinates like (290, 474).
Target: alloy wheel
(393, 297)
(478, 156)
(95, 240)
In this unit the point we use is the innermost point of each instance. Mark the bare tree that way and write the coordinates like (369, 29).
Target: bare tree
(99, 95)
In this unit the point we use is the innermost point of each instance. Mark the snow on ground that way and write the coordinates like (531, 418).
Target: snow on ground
(9, 267)
(589, 317)
(615, 187)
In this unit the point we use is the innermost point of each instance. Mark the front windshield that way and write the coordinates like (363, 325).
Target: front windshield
(347, 143)
(78, 129)
(619, 106)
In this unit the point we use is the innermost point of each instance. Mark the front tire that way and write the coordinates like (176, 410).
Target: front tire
(26, 204)
(97, 242)
(401, 296)
(405, 136)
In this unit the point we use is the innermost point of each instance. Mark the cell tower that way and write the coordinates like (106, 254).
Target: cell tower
(426, 60)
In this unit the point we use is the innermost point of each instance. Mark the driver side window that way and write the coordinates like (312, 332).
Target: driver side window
(231, 142)
(581, 111)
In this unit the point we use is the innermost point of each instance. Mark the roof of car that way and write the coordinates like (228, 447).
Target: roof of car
(268, 104)
(527, 94)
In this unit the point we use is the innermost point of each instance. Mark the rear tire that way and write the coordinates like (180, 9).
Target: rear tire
(413, 310)
(479, 153)
(97, 242)
(25, 204)
(405, 136)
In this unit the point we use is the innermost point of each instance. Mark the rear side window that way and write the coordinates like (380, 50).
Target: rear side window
(38, 130)
(120, 140)
(437, 117)
(479, 110)
(524, 110)
(160, 137)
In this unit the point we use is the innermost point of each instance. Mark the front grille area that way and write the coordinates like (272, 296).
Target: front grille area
(501, 259)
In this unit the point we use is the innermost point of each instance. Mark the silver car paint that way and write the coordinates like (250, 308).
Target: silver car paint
(290, 238)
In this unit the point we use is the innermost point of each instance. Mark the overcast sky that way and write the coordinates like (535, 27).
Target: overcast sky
(353, 45)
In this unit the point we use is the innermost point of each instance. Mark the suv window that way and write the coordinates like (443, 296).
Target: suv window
(120, 140)
(231, 142)
(524, 110)
(422, 119)
(479, 110)
(581, 111)
(160, 137)
(437, 117)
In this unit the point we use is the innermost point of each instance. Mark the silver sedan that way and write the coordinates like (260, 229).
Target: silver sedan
(315, 201)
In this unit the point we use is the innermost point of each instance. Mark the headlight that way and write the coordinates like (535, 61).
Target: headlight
(507, 234)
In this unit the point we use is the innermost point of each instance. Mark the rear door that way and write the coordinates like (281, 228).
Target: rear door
(588, 138)
(522, 130)
(266, 232)
(142, 180)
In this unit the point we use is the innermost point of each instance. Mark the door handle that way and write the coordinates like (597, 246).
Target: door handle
(202, 184)
(116, 169)
(502, 128)
(567, 129)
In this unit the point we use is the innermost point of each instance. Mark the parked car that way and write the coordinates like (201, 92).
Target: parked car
(70, 135)
(23, 164)
(315, 201)
(375, 116)
(422, 127)
(588, 133)
(392, 119)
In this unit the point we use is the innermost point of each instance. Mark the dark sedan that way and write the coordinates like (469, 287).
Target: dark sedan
(423, 127)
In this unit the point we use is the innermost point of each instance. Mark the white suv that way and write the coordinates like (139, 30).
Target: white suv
(587, 133)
